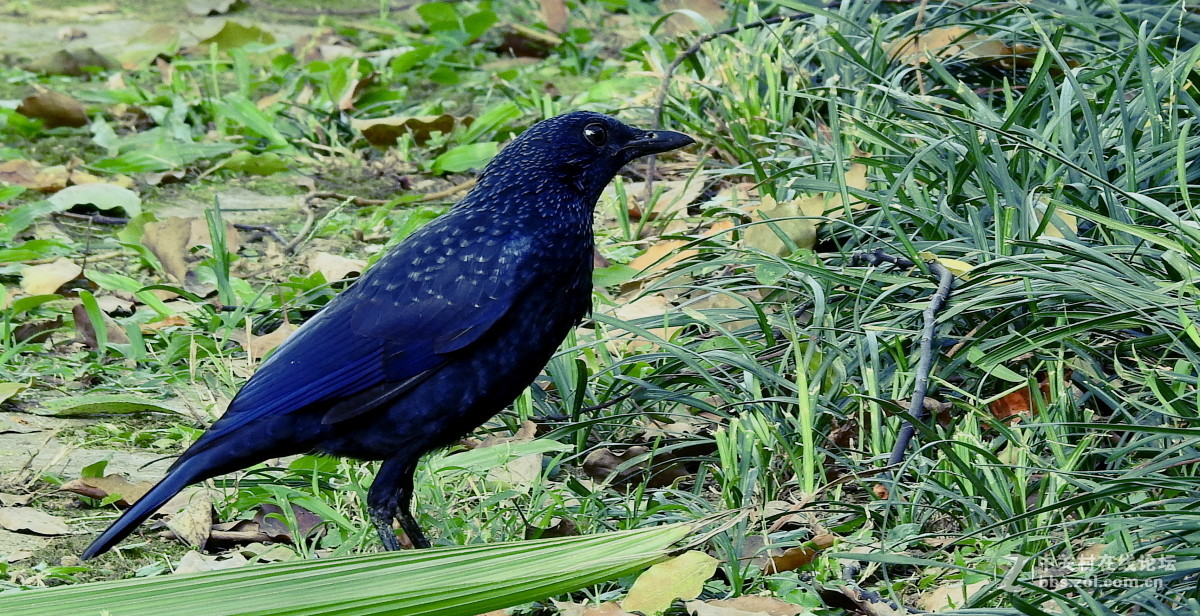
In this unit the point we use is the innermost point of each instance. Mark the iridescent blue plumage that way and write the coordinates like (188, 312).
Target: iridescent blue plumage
(439, 335)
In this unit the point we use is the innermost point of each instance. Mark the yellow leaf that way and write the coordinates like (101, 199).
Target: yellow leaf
(950, 596)
(46, 278)
(335, 267)
(802, 216)
(656, 256)
(960, 269)
(681, 577)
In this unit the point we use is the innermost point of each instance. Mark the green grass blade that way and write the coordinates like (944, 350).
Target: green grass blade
(463, 580)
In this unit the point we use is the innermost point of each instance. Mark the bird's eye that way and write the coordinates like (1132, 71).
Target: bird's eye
(596, 134)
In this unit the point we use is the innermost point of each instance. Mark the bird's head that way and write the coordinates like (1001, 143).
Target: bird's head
(581, 150)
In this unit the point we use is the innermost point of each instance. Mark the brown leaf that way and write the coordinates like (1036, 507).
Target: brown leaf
(102, 487)
(172, 239)
(799, 556)
(38, 331)
(748, 605)
(27, 519)
(949, 596)
(54, 108)
(334, 267)
(675, 197)
(195, 562)
(194, 523)
(604, 465)
(384, 132)
(85, 330)
(12, 500)
(72, 62)
(1012, 406)
(524, 434)
(565, 527)
(269, 520)
(710, 10)
(157, 41)
(662, 255)
(608, 608)
(258, 346)
(48, 277)
(800, 217)
(522, 44)
(958, 41)
(646, 306)
(33, 175)
(18, 555)
(554, 14)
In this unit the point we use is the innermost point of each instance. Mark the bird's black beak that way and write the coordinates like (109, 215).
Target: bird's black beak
(655, 142)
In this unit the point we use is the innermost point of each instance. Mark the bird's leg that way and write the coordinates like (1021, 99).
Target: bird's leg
(389, 498)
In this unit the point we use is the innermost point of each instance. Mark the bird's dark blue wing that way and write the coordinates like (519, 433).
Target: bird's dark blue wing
(429, 297)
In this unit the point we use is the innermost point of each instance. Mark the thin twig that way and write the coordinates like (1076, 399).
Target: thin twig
(354, 199)
(309, 217)
(101, 219)
(916, 407)
(448, 192)
(104, 256)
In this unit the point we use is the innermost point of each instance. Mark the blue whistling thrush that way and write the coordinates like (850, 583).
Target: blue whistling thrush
(440, 335)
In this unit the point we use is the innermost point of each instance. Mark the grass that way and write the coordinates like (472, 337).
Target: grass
(1056, 173)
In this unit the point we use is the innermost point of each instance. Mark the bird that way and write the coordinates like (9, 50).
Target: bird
(442, 333)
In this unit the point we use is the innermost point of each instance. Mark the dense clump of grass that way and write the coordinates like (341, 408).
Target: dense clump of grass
(1063, 179)
(1047, 152)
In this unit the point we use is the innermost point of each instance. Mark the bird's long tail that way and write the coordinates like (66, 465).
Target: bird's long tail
(184, 473)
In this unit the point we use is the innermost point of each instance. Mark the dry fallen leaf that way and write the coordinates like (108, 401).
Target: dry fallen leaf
(710, 10)
(749, 605)
(656, 256)
(33, 175)
(194, 523)
(172, 239)
(607, 608)
(384, 132)
(72, 62)
(102, 487)
(195, 562)
(12, 500)
(334, 267)
(48, 277)
(27, 519)
(681, 577)
(55, 109)
(554, 14)
(958, 41)
(85, 330)
(949, 596)
(18, 555)
(604, 465)
(270, 521)
(258, 346)
(800, 217)
(799, 556)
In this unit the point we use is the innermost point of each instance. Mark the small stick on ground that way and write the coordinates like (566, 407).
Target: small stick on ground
(916, 407)
(101, 219)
